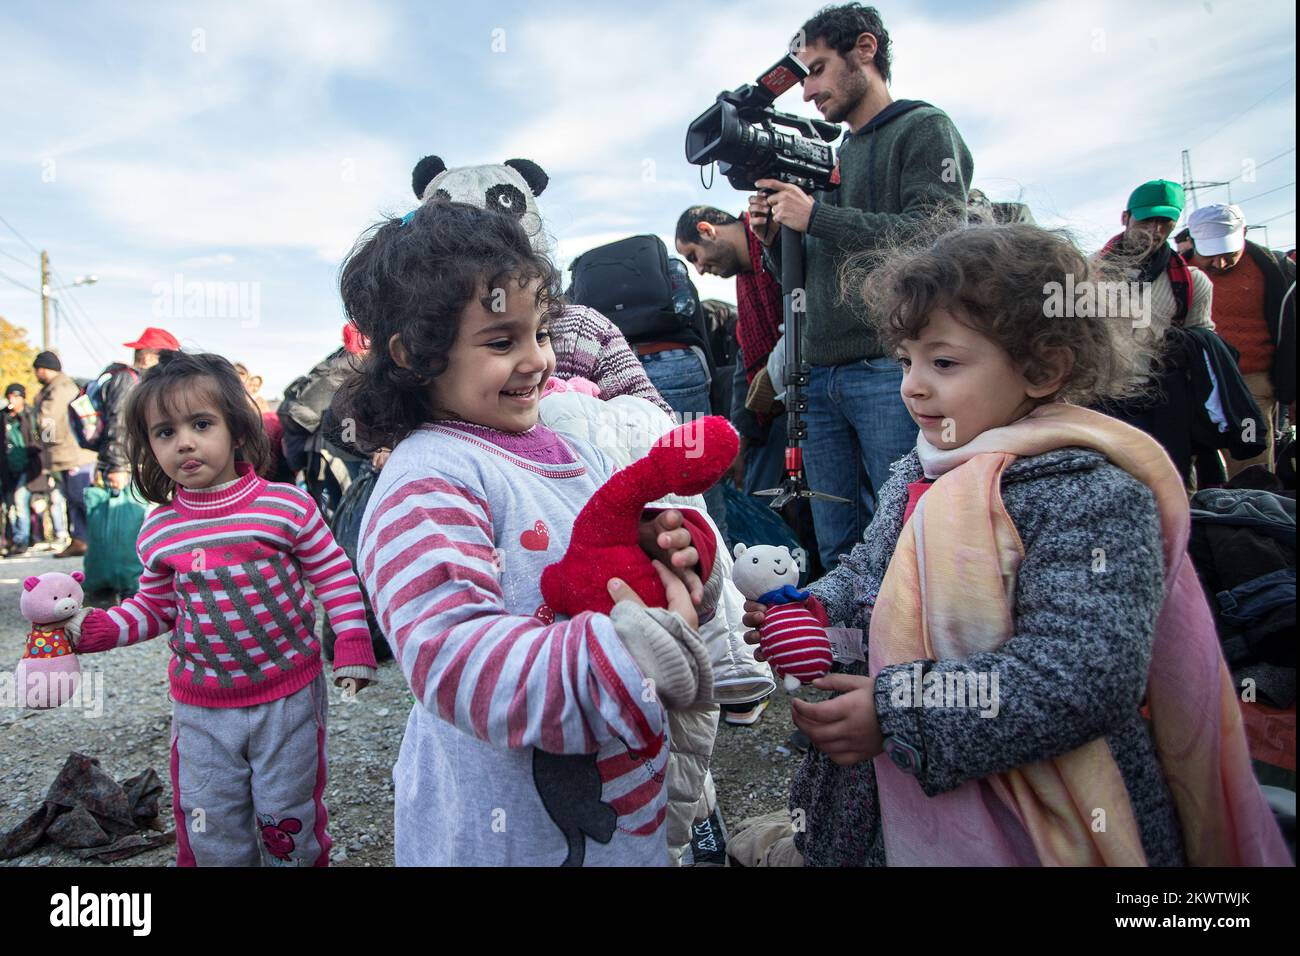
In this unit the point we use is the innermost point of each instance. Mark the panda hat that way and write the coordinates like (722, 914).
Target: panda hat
(511, 187)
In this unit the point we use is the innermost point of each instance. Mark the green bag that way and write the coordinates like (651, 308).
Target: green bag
(113, 522)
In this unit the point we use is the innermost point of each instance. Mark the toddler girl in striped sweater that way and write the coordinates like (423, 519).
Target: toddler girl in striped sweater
(226, 559)
(535, 739)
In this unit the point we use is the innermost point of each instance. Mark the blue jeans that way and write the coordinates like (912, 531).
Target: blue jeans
(21, 525)
(682, 378)
(857, 427)
(72, 484)
(58, 511)
(765, 464)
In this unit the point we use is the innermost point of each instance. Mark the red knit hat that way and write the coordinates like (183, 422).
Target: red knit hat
(153, 338)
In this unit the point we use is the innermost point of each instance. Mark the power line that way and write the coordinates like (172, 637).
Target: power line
(20, 285)
(1265, 163)
(83, 332)
(21, 262)
(1265, 193)
(21, 237)
(76, 303)
(94, 328)
(58, 310)
(93, 353)
(1280, 215)
(1228, 182)
(60, 319)
(71, 319)
(1242, 113)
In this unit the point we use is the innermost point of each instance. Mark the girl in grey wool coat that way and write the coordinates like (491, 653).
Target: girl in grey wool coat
(1066, 693)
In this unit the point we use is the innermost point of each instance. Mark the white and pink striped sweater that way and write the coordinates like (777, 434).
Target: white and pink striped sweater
(534, 740)
(230, 564)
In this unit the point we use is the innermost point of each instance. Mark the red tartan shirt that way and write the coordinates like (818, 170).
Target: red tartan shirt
(759, 312)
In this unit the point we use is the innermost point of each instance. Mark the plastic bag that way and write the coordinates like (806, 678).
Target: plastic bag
(113, 520)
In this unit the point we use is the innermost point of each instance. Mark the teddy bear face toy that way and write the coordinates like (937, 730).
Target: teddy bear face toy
(49, 673)
(793, 635)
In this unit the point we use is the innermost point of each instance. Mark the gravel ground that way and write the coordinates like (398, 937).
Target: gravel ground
(127, 720)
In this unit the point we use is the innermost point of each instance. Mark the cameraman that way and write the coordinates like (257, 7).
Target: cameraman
(901, 163)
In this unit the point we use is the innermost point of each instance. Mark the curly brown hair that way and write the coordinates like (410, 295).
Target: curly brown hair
(412, 278)
(158, 388)
(1002, 281)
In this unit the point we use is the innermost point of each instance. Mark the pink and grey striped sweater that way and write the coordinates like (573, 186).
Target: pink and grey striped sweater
(226, 567)
(534, 740)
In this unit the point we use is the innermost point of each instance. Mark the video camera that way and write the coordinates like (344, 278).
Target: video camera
(738, 133)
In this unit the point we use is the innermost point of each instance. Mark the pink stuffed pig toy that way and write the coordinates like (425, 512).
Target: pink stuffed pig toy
(49, 673)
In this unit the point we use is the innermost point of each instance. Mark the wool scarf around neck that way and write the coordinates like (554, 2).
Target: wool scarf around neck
(949, 593)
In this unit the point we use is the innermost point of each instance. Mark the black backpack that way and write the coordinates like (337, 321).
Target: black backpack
(305, 446)
(631, 284)
(308, 396)
(345, 525)
(86, 413)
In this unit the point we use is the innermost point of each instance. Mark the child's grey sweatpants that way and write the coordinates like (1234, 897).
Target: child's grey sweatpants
(248, 782)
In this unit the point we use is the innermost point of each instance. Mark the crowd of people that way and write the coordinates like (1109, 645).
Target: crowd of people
(47, 465)
(987, 447)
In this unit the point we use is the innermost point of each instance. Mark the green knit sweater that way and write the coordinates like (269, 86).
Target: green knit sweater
(896, 171)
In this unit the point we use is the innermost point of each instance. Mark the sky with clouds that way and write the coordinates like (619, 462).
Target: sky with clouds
(244, 146)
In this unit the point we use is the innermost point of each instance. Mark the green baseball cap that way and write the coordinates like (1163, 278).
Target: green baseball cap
(1159, 197)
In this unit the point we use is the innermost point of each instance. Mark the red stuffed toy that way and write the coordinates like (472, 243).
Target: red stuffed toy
(688, 460)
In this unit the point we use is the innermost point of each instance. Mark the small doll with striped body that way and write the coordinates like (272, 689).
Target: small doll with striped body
(792, 637)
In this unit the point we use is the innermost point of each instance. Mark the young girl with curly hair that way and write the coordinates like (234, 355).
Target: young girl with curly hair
(1041, 682)
(534, 739)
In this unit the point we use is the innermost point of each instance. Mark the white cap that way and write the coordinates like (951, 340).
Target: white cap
(1217, 230)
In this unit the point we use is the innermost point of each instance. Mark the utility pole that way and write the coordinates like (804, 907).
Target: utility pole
(1190, 185)
(45, 300)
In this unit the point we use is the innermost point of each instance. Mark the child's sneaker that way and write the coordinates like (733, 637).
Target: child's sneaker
(708, 846)
(744, 715)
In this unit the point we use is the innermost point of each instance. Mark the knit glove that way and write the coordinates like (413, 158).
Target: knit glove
(776, 369)
(668, 651)
(72, 626)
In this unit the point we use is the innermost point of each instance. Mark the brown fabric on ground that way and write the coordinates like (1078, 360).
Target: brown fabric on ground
(88, 811)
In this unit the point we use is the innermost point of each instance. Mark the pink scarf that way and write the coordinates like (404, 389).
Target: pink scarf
(949, 593)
